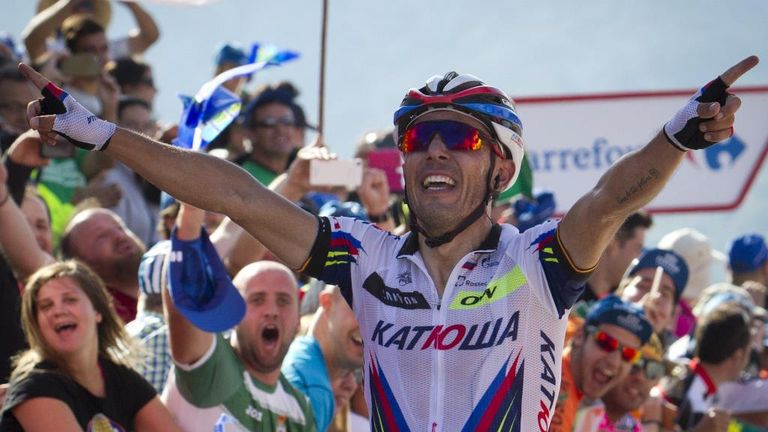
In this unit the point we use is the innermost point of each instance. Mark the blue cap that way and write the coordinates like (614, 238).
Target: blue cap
(151, 268)
(200, 287)
(673, 264)
(231, 53)
(747, 253)
(613, 310)
(347, 209)
(530, 213)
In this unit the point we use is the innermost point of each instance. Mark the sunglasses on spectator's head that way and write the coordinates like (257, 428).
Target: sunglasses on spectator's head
(456, 136)
(610, 344)
(270, 122)
(652, 369)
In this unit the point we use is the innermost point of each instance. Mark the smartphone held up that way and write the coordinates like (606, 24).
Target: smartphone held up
(336, 172)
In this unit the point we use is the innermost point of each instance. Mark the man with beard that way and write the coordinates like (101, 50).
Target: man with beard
(100, 239)
(220, 381)
(464, 319)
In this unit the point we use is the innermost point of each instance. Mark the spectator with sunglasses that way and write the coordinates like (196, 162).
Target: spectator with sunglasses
(660, 301)
(632, 395)
(275, 126)
(464, 319)
(599, 356)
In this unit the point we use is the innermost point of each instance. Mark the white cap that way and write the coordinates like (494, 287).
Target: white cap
(697, 251)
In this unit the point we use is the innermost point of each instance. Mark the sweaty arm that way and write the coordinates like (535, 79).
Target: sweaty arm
(635, 179)
(203, 181)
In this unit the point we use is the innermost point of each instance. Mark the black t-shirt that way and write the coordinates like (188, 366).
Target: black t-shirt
(11, 336)
(126, 393)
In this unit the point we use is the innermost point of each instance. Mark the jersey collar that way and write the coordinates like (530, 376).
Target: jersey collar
(490, 244)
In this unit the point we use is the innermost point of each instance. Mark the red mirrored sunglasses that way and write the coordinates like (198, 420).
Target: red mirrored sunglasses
(456, 136)
(610, 344)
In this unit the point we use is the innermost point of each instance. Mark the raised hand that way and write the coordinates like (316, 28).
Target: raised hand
(59, 113)
(708, 116)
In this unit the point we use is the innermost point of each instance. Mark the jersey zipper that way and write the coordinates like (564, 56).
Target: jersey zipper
(440, 317)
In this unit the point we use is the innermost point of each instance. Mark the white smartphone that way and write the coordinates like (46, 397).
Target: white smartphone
(336, 172)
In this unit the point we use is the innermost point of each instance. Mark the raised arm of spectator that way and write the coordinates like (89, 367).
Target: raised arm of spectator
(146, 33)
(188, 343)
(44, 24)
(635, 179)
(374, 196)
(198, 179)
(16, 237)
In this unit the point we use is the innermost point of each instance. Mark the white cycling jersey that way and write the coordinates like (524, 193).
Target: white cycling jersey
(485, 356)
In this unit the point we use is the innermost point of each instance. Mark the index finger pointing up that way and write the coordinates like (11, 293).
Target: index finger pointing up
(35, 78)
(736, 71)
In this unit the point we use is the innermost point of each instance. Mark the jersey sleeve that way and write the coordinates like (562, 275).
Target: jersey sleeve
(543, 251)
(342, 245)
(213, 379)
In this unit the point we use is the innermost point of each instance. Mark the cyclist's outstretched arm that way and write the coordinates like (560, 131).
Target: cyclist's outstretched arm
(635, 179)
(198, 179)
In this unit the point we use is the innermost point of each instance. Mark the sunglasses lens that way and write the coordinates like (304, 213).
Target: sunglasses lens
(606, 342)
(654, 370)
(630, 355)
(455, 135)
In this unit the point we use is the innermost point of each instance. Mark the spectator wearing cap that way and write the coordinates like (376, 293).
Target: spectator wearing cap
(275, 126)
(626, 245)
(149, 327)
(658, 302)
(332, 349)
(237, 380)
(599, 356)
(722, 352)
(748, 259)
(632, 395)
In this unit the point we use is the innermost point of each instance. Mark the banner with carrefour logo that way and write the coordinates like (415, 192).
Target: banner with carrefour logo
(571, 141)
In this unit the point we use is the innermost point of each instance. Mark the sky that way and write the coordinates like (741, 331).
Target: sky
(378, 50)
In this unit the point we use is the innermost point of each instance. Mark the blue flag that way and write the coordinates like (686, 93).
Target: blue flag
(214, 107)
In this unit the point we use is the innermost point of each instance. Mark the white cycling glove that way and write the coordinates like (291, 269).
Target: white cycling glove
(683, 130)
(75, 123)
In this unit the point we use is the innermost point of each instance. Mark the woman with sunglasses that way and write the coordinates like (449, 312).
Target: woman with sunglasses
(76, 374)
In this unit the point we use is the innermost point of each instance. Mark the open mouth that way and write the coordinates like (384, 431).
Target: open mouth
(438, 182)
(602, 376)
(270, 334)
(65, 328)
